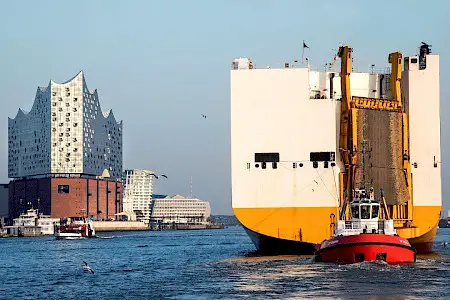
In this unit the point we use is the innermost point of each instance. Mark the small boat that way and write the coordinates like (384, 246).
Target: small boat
(365, 237)
(75, 227)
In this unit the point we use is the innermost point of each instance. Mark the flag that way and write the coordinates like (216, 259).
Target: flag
(304, 45)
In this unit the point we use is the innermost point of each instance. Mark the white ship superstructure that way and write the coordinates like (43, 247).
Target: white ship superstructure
(44, 224)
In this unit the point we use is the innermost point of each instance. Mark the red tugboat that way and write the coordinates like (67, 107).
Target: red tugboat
(75, 227)
(365, 237)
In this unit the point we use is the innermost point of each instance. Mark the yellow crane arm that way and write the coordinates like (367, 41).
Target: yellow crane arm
(348, 127)
(395, 59)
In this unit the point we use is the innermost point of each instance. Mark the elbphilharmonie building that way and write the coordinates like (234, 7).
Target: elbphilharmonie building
(64, 136)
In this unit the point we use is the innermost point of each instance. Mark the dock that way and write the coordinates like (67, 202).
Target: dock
(104, 226)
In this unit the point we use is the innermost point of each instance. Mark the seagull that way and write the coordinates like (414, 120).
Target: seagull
(445, 244)
(156, 176)
(87, 268)
(204, 116)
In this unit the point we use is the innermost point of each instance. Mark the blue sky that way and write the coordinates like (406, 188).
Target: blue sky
(160, 64)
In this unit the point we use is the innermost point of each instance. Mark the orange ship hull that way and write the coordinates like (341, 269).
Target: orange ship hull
(301, 230)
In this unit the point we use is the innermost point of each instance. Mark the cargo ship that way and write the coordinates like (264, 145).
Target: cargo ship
(295, 138)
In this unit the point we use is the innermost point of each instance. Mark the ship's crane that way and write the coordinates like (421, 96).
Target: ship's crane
(348, 139)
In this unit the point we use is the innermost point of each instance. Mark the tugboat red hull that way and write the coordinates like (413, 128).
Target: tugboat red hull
(366, 247)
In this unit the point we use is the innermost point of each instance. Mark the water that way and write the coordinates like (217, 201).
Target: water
(207, 264)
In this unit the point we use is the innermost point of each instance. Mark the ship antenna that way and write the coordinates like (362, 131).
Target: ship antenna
(364, 162)
(190, 192)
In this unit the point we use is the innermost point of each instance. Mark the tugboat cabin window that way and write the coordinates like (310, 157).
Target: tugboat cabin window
(63, 189)
(365, 211)
(375, 209)
(355, 211)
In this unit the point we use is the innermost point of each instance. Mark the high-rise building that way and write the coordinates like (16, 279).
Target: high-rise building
(137, 192)
(65, 154)
(64, 132)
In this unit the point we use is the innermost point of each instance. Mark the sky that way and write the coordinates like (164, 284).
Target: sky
(161, 64)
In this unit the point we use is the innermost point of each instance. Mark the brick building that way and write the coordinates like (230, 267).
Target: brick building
(65, 197)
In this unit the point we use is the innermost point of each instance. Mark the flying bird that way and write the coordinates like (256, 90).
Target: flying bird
(87, 268)
(156, 176)
(204, 116)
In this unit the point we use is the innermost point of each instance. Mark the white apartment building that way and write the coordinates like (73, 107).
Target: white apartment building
(64, 132)
(179, 209)
(137, 192)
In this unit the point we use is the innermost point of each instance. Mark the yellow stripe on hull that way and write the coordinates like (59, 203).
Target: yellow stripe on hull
(313, 224)
(304, 224)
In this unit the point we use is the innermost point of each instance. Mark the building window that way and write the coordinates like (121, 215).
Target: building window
(63, 189)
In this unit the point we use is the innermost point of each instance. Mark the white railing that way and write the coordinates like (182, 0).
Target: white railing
(363, 226)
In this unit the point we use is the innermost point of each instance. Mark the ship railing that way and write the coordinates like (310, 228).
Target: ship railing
(378, 226)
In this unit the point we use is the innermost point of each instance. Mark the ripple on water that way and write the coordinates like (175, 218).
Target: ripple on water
(203, 265)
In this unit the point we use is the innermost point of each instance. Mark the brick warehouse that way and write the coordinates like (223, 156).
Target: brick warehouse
(98, 198)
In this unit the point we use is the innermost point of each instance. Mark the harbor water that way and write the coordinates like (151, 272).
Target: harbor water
(203, 264)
